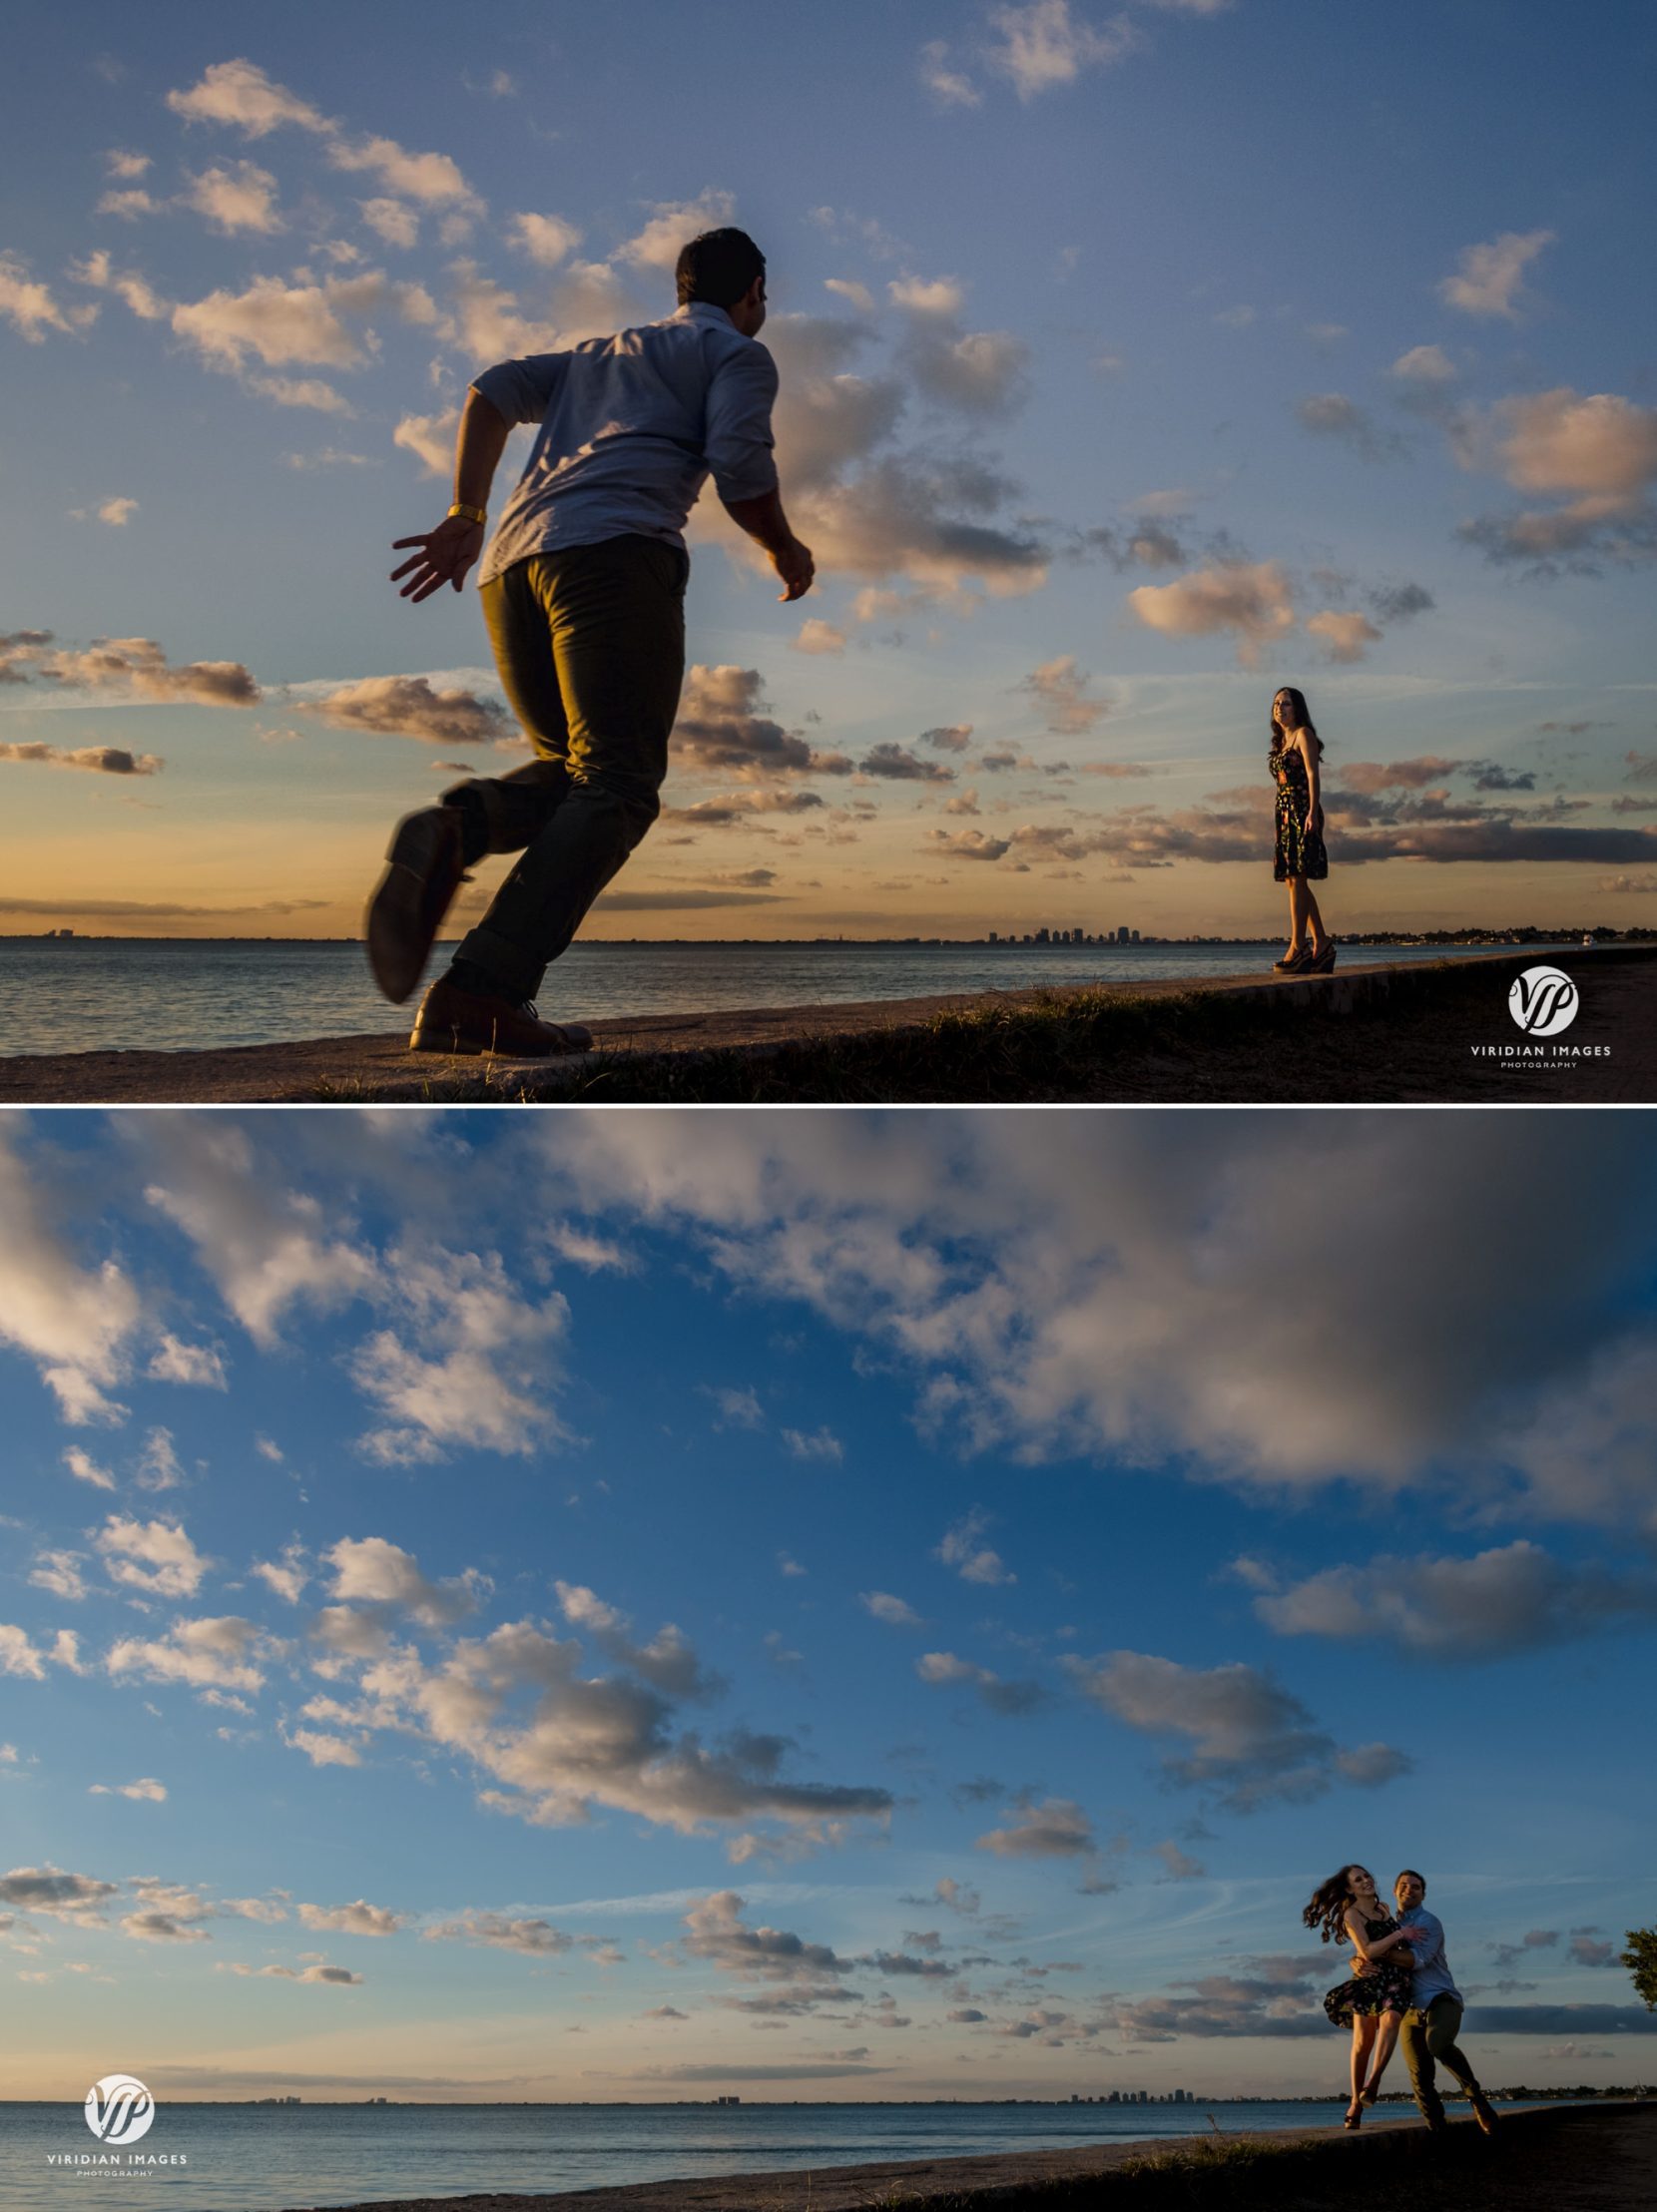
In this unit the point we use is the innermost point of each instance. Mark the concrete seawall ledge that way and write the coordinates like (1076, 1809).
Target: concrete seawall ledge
(1553, 2159)
(379, 1069)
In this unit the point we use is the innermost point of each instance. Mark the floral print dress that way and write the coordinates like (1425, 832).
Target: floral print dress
(1388, 1989)
(1296, 852)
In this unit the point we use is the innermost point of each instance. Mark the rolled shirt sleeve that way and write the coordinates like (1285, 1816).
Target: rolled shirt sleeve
(738, 443)
(520, 391)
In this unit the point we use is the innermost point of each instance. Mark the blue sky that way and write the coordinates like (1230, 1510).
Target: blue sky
(1132, 364)
(854, 1605)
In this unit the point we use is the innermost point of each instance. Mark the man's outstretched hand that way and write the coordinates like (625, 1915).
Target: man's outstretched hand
(446, 555)
(795, 566)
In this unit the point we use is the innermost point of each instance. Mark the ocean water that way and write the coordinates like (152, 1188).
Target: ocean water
(243, 2158)
(119, 995)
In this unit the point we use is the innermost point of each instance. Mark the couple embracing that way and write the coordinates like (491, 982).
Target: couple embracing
(1399, 1991)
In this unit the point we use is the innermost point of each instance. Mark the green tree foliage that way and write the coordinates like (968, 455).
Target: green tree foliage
(1641, 1961)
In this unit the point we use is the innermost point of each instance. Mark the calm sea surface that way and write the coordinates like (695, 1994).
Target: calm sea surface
(245, 2160)
(124, 995)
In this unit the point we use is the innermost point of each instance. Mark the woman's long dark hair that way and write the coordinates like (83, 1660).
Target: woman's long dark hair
(1328, 1911)
(1295, 717)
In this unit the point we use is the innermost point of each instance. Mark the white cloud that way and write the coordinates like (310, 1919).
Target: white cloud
(1512, 1598)
(1344, 636)
(536, 1938)
(546, 238)
(360, 1919)
(286, 1576)
(154, 1556)
(673, 224)
(117, 512)
(1062, 688)
(409, 707)
(816, 1443)
(1057, 1827)
(946, 1670)
(431, 439)
(371, 1570)
(848, 288)
(941, 296)
(238, 198)
(392, 221)
(198, 1365)
(481, 1370)
(960, 1548)
(1248, 1738)
(138, 669)
(1490, 277)
(59, 1572)
(219, 1652)
(1044, 44)
(1427, 365)
(240, 92)
(893, 1610)
(1250, 599)
(86, 1470)
(266, 1249)
(18, 1655)
(949, 87)
(30, 308)
(147, 1791)
(72, 1321)
(816, 635)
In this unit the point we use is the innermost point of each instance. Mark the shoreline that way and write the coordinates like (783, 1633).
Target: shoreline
(1407, 1030)
(1555, 2159)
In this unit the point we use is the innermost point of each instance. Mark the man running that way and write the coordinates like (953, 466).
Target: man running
(583, 592)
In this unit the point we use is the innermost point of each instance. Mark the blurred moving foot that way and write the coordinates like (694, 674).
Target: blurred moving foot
(1322, 964)
(1482, 2111)
(426, 867)
(453, 1020)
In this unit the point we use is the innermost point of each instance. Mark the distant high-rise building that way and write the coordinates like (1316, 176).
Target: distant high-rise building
(1134, 940)
(1122, 935)
(1044, 937)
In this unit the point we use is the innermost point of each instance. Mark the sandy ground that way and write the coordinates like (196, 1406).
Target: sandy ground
(1571, 2159)
(1410, 1040)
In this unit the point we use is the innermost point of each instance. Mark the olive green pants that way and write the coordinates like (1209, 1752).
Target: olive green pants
(590, 646)
(1427, 2037)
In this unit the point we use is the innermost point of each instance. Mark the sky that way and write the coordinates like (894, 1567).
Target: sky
(814, 1604)
(1133, 363)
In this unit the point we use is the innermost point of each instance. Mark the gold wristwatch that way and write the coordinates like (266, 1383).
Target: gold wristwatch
(479, 515)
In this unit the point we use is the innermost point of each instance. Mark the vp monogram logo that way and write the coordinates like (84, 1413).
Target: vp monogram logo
(1544, 1000)
(119, 2109)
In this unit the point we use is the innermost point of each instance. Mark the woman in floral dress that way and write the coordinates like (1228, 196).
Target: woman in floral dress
(1300, 857)
(1346, 1909)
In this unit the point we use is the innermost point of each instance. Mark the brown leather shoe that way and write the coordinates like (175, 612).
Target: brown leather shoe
(426, 867)
(1483, 2112)
(453, 1020)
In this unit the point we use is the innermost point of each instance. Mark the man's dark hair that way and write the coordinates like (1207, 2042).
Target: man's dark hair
(718, 268)
(1411, 1874)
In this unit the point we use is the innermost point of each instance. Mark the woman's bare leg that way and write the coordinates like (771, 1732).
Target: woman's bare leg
(1297, 912)
(1364, 2036)
(1319, 935)
(1385, 2043)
